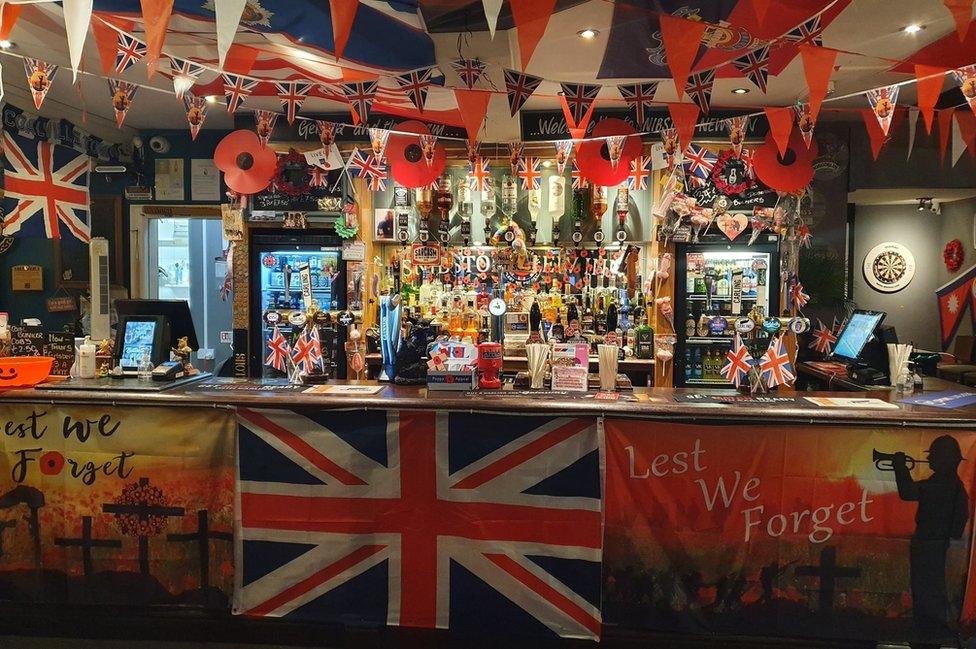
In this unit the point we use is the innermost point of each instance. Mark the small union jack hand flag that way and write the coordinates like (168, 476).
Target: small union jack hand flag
(530, 173)
(798, 296)
(738, 362)
(303, 354)
(823, 339)
(278, 351)
(775, 365)
(640, 171)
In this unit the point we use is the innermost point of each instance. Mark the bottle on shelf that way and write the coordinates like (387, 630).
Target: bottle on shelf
(697, 366)
(689, 363)
(644, 345)
(690, 325)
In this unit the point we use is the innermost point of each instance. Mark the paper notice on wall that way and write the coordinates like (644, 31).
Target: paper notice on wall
(204, 180)
(233, 222)
(169, 179)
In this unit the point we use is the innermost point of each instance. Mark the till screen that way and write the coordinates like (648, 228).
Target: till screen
(139, 337)
(856, 334)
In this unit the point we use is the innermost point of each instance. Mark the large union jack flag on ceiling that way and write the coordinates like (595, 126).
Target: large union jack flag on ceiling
(45, 190)
(421, 519)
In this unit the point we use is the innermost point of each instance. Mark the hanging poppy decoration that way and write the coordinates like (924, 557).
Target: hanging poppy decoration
(247, 165)
(595, 158)
(408, 164)
(786, 173)
(953, 255)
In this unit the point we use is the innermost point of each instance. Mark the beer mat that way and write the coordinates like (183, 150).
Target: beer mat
(852, 402)
(945, 399)
(732, 399)
(128, 384)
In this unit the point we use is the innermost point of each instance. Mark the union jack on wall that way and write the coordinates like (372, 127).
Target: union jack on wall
(449, 520)
(45, 190)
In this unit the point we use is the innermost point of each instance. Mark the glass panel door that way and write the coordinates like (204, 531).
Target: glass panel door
(187, 261)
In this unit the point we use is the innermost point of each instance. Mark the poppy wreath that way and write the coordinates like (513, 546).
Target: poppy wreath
(953, 255)
(720, 174)
(283, 180)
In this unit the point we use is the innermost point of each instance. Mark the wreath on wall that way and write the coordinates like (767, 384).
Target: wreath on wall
(953, 255)
(730, 174)
(292, 174)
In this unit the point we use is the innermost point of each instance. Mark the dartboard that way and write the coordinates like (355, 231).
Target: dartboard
(889, 267)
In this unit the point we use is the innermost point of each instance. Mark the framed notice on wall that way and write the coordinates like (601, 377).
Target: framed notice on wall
(169, 179)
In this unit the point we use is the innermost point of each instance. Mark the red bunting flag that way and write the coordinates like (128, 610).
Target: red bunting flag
(780, 126)
(8, 17)
(945, 131)
(473, 105)
(155, 20)
(962, 13)
(875, 132)
(818, 64)
(928, 83)
(531, 17)
(967, 128)
(343, 14)
(106, 40)
(682, 39)
(760, 8)
(685, 119)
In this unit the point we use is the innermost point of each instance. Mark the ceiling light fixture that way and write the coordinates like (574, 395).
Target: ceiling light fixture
(547, 163)
(587, 34)
(924, 203)
(6, 45)
(739, 91)
(914, 28)
(211, 99)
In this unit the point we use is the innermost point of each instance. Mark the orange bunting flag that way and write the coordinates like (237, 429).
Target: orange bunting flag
(107, 43)
(682, 38)
(945, 131)
(962, 13)
(818, 65)
(8, 17)
(155, 18)
(122, 93)
(685, 119)
(967, 128)
(531, 17)
(343, 14)
(875, 132)
(780, 126)
(473, 105)
(928, 83)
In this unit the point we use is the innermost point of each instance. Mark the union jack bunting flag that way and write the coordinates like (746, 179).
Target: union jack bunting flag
(738, 362)
(128, 53)
(360, 97)
(40, 75)
(798, 296)
(415, 86)
(698, 163)
(640, 172)
(368, 167)
(480, 174)
(519, 87)
(420, 519)
(699, 88)
(122, 94)
(639, 97)
(45, 190)
(809, 33)
(754, 66)
(530, 173)
(579, 97)
(823, 339)
(579, 182)
(278, 351)
(775, 366)
(292, 95)
(469, 70)
(185, 74)
(236, 90)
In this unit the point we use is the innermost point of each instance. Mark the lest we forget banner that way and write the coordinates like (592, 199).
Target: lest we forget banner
(789, 530)
(116, 505)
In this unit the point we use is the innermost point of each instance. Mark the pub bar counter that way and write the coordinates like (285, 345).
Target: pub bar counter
(663, 511)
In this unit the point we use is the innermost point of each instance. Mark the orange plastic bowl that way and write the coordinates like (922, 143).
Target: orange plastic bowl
(24, 371)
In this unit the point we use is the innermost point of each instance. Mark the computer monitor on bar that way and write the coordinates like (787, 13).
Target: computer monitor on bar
(153, 326)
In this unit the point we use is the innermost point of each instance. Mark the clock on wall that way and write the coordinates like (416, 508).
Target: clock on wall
(889, 267)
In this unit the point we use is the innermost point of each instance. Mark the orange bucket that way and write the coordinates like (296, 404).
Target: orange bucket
(24, 371)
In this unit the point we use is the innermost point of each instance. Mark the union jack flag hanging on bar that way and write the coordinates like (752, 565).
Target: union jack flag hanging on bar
(775, 365)
(823, 339)
(129, 52)
(579, 96)
(236, 90)
(368, 167)
(480, 174)
(519, 87)
(640, 171)
(292, 95)
(469, 70)
(45, 190)
(639, 97)
(579, 182)
(415, 86)
(738, 362)
(420, 519)
(360, 97)
(809, 33)
(754, 66)
(699, 88)
(698, 163)
(530, 173)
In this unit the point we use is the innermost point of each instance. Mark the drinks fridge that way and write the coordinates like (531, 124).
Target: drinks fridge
(716, 284)
(276, 259)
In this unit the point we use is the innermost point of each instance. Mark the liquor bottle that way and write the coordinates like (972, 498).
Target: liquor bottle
(509, 197)
(697, 367)
(572, 314)
(444, 200)
(689, 364)
(558, 332)
(644, 347)
(600, 316)
(465, 208)
(578, 199)
(471, 334)
(535, 323)
(557, 203)
(488, 207)
(707, 365)
(690, 325)
(598, 207)
(424, 200)
(622, 208)
(586, 322)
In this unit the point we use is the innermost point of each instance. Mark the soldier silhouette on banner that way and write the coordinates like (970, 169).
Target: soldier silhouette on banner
(943, 510)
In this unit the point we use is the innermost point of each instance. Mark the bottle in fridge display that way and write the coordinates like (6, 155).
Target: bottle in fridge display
(717, 285)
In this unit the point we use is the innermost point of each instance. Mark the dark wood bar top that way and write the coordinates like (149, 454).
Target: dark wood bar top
(652, 403)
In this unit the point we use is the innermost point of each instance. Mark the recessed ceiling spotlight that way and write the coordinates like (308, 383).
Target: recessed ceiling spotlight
(547, 163)
(739, 91)
(211, 99)
(914, 28)
(6, 45)
(587, 34)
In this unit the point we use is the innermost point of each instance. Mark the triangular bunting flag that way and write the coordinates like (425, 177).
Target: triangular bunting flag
(912, 127)
(227, 19)
(473, 105)
(967, 129)
(563, 150)
(875, 134)
(378, 137)
(185, 74)
(519, 87)
(469, 71)
(515, 155)
(106, 41)
(699, 88)
(966, 78)
(945, 130)
(685, 120)
(928, 83)
(292, 95)
(954, 298)
(737, 127)
(780, 126)
(754, 66)
(155, 19)
(128, 52)
(343, 14)
(415, 86)
(578, 97)
(480, 174)
(237, 90)
(760, 8)
(196, 113)
(122, 93)
(360, 97)
(958, 143)
(809, 33)
(671, 146)
(639, 97)
(805, 122)
(492, 9)
(530, 18)
(264, 123)
(39, 78)
(962, 13)
(8, 17)
(818, 65)
(640, 172)
(326, 132)
(77, 17)
(682, 38)
(882, 102)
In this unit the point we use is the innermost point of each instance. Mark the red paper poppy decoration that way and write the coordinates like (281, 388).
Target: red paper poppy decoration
(247, 165)
(789, 173)
(593, 159)
(953, 255)
(406, 158)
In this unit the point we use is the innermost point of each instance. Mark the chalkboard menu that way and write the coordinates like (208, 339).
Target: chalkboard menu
(62, 347)
(27, 341)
